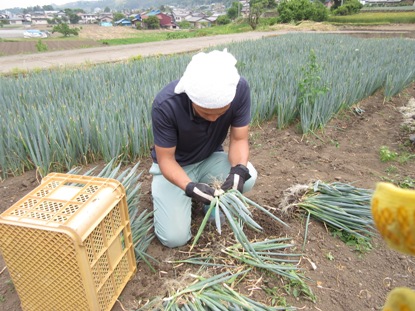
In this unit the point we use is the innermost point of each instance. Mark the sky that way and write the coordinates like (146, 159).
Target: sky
(7, 4)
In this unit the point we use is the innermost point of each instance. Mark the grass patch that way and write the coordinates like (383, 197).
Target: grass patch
(360, 245)
(375, 18)
(141, 38)
(155, 36)
(386, 154)
(404, 182)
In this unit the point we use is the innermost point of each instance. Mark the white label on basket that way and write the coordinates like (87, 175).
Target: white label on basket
(65, 193)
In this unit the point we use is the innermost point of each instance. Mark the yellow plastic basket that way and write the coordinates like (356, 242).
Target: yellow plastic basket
(68, 244)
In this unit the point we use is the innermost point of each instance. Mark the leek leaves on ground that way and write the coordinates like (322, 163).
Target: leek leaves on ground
(213, 293)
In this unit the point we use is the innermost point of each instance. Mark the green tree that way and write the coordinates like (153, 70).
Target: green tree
(118, 16)
(65, 30)
(234, 11)
(152, 22)
(336, 4)
(48, 8)
(107, 9)
(350, 7)
(41, 47)
(223, 20)
(184, 25)
(299, 10)
(256, 8)
(271, 4)
(74, 18)
(320, 12)
(74, 11)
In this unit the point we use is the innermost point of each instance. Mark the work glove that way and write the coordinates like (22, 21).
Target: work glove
(236, 178)
(202, 192)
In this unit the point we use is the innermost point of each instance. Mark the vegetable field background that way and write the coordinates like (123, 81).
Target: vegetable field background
(341, 277)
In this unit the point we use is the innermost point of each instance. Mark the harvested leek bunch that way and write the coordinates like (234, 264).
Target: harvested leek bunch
(271, 256)
(236, 207)
(268, 258)
(213, 293)
(141, 224)
(341, 206)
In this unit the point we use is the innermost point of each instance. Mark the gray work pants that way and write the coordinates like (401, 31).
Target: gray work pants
(172, 208)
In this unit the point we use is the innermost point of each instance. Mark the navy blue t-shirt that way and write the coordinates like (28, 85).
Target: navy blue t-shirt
(175, 124)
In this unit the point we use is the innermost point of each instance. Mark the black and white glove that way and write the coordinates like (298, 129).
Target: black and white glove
(236, 178)
(202, 192)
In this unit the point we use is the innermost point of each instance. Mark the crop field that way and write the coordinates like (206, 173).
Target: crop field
(324, 106)
(113, 120)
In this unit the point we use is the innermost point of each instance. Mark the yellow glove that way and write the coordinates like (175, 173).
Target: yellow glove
(393, 211)
(400, 299)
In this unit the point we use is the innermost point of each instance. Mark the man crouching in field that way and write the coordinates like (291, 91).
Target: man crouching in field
(191, 118)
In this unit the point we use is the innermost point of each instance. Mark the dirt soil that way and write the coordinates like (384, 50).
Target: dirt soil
(29, 47)
(347, 150)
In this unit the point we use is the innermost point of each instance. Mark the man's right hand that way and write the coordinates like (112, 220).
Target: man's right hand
(202, 192)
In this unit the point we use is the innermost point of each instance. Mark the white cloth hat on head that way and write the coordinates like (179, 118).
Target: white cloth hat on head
(210, 79)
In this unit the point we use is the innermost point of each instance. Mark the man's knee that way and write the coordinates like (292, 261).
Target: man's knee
(249, 184)
(174, 238)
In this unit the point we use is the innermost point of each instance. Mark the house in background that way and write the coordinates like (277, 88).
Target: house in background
(198, 22)
(123, 22)
(88, 18)
(39, 20)
(212, 19)
(105, 20)
(136, 19)
(55, 14)
(16, 20)
(180, 15)
(166, 21)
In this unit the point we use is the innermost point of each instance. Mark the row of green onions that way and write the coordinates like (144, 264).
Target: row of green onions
(57, 119)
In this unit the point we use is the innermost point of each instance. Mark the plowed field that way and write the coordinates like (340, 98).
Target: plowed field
(27, 47)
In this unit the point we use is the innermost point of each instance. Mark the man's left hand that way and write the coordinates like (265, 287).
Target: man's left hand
(236, 178)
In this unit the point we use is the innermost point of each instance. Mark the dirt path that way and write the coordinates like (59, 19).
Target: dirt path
(106, 54)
